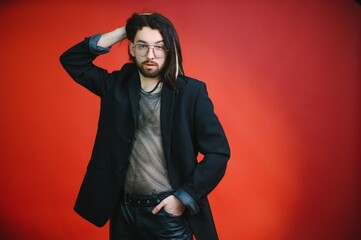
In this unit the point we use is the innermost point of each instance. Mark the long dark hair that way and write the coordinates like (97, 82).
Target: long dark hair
(173, 63)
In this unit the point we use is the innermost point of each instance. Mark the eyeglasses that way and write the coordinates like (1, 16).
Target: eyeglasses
(142, 50)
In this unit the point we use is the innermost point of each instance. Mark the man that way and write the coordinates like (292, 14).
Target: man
(143, 174)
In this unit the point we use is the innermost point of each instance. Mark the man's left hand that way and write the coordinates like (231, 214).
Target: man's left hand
(171, 205)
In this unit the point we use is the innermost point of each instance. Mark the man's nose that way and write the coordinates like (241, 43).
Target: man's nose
(150, 53)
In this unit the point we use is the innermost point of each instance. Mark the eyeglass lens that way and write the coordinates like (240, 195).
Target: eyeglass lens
(142, 50)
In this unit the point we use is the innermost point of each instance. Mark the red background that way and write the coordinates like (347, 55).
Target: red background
(285, 80)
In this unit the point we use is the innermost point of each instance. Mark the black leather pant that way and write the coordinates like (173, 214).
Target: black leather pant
(131, 222)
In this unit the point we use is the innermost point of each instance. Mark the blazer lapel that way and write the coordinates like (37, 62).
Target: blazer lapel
(134, 91)
(166, 117)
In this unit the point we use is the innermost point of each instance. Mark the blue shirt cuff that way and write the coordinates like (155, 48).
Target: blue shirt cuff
(94, 48)
(187, 200)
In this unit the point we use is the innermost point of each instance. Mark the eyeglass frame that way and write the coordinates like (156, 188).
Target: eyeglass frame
(149, 46)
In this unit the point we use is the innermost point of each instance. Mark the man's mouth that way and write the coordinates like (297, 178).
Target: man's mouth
(150, 64)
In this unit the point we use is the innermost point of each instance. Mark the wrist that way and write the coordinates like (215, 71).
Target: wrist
(120, 33)
(110, 38)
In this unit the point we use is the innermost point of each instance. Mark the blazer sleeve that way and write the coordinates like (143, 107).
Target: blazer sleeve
(212, 143)
(78, 62)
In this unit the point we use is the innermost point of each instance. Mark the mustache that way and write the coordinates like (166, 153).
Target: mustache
(149, 62)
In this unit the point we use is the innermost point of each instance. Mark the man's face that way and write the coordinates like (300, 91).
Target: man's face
(147, 52)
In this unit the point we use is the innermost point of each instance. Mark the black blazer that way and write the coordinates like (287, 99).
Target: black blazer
(189, 126)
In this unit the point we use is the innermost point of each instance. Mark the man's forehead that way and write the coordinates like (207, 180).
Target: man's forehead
(148, 35)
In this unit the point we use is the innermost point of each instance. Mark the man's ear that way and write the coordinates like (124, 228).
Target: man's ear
(131, 49)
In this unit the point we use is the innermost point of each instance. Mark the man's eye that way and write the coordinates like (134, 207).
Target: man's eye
(141, 46)
(159, 48)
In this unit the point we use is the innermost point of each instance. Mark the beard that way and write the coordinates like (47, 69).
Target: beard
(149, 73)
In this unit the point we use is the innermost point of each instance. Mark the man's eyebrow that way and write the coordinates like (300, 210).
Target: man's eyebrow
(142, 41)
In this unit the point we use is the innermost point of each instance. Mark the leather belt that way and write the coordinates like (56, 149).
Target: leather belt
(138, 200)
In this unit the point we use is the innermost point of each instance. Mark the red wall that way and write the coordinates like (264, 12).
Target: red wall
(285, 80)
